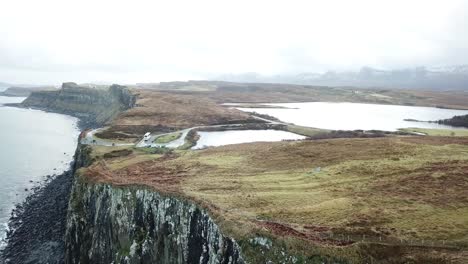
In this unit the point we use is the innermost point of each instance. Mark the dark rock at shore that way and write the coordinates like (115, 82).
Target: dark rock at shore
(38, 224)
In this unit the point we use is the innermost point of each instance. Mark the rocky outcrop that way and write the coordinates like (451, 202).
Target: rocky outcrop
(93, 106)
(38, 224)
(108, 224)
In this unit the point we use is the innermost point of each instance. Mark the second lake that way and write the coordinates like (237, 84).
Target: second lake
(354, 116)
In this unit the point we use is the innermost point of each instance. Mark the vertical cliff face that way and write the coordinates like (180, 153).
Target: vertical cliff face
(93, 106)
(122, 224)
(109, 224)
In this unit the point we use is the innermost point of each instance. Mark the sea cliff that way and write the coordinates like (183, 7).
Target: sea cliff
(94, 107)
(107, 224)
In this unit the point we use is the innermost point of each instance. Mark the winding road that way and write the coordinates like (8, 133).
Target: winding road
(91, 139)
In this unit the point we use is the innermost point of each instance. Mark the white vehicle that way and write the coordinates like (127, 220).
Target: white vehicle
(147, 136)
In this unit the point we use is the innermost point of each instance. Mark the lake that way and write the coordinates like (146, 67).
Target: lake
(354, 116)
(33, 144)
(220, 138)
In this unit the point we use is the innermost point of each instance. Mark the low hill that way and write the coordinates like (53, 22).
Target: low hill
(232, 92)
(157, 111)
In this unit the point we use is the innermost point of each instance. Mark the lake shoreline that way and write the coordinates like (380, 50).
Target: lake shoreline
(355, 116)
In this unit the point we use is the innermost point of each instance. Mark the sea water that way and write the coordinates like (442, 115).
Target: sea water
(33, 144)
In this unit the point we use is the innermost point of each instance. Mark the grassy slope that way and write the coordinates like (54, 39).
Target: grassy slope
(177, 111)
(439, 132)
(161, 112)
(391, 188)
(363, 185)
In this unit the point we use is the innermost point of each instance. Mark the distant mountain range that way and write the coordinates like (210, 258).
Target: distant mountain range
(424, 78)
(3, 86)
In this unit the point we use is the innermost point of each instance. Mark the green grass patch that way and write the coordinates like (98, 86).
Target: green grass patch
(168, 138)
(99, 151)
(438, 132)
(305, 131)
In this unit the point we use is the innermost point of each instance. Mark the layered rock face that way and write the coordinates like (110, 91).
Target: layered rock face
(93, 106)
(109, 224)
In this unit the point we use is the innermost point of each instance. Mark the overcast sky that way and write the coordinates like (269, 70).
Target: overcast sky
(52, 41)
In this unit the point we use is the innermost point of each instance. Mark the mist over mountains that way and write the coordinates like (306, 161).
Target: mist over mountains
(3, 86)
(423, 78)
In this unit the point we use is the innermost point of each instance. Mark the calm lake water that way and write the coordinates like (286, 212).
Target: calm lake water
(220, 138)
(353, 116)
(33, 144)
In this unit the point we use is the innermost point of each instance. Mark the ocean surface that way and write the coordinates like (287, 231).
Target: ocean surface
(33, 144)
(354, 116)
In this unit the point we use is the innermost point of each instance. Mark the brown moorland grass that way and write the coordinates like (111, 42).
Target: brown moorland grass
(177, 111)
(394, 188)
(228, 92)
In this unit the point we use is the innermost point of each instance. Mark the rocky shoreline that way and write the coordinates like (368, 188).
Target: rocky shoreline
(37, 226)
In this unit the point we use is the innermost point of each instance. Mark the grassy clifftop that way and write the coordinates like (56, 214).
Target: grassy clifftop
(397, 198)
(93, 106)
